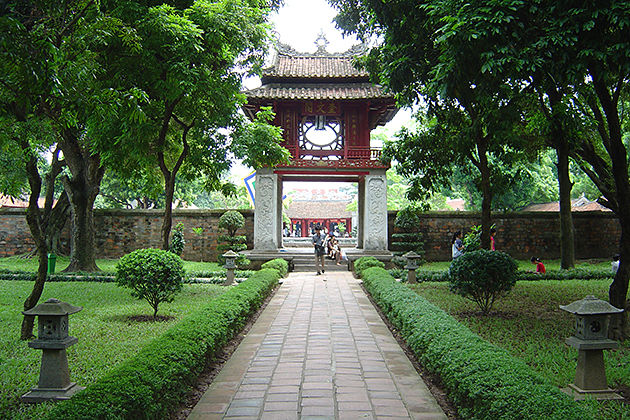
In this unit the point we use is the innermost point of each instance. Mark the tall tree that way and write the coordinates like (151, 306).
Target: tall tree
(189, 68)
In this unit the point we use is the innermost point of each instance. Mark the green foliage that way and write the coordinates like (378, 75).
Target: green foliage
(483, 381)
(472, 239)
(177, 240)
(170, 364)
(365, 263)
(407, 219)
(278, 264)
(154, 275)
(231, 221)
(483, 276)
(258, 144)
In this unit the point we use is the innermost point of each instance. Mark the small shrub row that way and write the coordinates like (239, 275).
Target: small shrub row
(573, 274)
(483, 380)
(365, 263)
(278, 264)
(213, 277)
(153, 383)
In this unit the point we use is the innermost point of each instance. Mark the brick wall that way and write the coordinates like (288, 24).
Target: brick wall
(520, 234)
(121, 231)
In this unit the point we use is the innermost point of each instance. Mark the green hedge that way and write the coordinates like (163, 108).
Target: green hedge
(573, 274)
(154, 382)
(483, 380)
(278, 264)
(213, 277)
(364, 263)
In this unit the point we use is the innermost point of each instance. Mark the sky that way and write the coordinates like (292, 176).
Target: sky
(298, 23)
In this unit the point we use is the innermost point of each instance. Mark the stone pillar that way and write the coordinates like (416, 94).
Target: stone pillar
(360, 213)
(279, 211)
(266, 211)
(375, 212)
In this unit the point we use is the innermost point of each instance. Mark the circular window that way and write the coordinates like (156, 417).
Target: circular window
(321, 133)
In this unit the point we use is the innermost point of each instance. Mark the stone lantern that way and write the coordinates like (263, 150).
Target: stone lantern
(52, 337)
(412, 264)
(230, 265)
(592, 316)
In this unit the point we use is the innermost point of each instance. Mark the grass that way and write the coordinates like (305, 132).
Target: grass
(529, 324)
(526, 265)
(106, 334)
(20, 263)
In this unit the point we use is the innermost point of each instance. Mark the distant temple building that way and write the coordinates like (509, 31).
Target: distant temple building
(326, 108)
(578, 204)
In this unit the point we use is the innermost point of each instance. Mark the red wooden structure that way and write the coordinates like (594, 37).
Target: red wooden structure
(326, 108)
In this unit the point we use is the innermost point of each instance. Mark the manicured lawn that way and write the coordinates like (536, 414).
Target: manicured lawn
(527, 265)
(106, 334)
(18, 263)
(529, 324)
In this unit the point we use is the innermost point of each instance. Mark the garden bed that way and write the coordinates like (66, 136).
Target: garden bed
(483, 380)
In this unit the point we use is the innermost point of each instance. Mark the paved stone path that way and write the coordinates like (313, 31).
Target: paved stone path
(319, 350)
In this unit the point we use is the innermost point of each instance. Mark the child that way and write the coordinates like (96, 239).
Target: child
(540, 267)
(458, 245)
(493, 232)
(615, 263)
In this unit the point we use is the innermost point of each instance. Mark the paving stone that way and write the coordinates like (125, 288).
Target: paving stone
(319, 351)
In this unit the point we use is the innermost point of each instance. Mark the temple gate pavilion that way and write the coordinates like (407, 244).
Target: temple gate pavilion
(326, 108)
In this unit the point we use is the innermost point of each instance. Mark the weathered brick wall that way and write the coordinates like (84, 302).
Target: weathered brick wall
(121, 231)
(520, 234)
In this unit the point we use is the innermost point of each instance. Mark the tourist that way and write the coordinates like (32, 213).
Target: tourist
(458, 245)
(540, 267)
(493, 232)
(319, 242)
(615, 263)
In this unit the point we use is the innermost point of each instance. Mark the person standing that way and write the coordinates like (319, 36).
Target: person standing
(458, 245)
(493, 232)
(319, 242)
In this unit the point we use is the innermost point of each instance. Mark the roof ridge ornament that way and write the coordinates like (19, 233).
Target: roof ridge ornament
(321, 42)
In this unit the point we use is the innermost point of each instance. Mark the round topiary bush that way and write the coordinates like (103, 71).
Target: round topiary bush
(483, 276)
(231, 221)
(154, 275)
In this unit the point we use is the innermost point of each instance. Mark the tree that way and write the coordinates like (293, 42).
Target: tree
(47, 89)
(189, 68)
(471, 115)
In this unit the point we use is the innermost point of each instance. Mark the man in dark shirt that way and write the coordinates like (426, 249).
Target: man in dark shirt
(319, 242)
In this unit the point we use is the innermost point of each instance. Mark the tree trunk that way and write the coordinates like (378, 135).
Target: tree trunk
(82, 257)
(567, 241)
(82, 188)
(167, 221)
(486, 194)
(28, 322)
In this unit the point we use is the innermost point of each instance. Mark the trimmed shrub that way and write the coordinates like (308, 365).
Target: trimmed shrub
(177, 240)
(483, 380)
(278, 264)
(483, 276)
(152, 384)
(232, 221)
(407, 219)
(154, 275)
(406, 238)
(366, 262)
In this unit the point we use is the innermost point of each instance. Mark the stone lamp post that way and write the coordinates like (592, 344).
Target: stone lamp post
(52, 337)
(592, 316)
(230, 265)
(412, 264)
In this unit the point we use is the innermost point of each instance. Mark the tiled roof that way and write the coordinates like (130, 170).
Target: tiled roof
(314, 67)
(318, 210)
(320, 91)
(576, 205)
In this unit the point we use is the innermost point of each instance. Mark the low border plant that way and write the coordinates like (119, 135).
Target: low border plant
(483, 380)
(278, 264)
(152, 384)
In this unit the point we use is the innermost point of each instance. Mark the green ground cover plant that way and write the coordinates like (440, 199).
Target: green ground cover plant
(20, 263)
(483, 380)
(278, 264)
(107, 334)
(530, 326)
(152, 384)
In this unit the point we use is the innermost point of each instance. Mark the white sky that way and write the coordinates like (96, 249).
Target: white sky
(298, 24)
